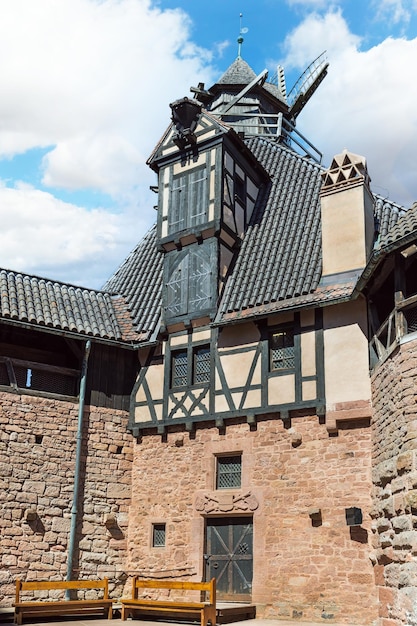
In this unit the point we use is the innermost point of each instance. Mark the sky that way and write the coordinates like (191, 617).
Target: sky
(86, 87)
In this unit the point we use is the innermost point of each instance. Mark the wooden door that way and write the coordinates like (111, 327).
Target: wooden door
(229, 557)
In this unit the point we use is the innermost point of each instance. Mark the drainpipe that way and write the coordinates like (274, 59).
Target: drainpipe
(77, 471)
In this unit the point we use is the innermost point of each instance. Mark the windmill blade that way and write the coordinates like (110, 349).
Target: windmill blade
(307, 84)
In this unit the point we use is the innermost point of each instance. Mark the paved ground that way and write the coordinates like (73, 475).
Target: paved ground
(138, 622)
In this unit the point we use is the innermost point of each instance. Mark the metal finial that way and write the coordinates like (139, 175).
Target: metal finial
(240, 39)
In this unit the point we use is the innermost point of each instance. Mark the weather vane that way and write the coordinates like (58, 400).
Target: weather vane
(242, 31)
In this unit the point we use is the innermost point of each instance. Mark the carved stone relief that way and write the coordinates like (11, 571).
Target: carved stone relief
(216, 502)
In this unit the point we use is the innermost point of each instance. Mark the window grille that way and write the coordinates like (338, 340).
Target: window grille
(4, 376)
(202, 365)
(229, 472)
(411, 318)
(281, 350)
(181, 374)
(39, 377)
(158, 535)
(179, 369)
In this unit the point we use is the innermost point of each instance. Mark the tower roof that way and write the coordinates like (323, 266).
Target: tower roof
(238, 73)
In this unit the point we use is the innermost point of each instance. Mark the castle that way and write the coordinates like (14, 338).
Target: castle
(239, 399)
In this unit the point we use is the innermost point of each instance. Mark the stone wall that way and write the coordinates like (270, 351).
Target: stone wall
(297, 481)
(37, 454)
(395, 485)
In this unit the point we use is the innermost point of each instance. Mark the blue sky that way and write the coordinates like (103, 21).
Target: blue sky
(86, 92)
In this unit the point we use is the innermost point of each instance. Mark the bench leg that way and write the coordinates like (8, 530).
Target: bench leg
(18, 617)
(208, 616)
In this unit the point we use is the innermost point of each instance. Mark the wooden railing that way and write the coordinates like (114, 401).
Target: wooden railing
(401, 321)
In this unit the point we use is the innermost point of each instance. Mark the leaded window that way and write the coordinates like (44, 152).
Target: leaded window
(179, 369)
(190, 366)
(281, 349)
(201, 365)
(229, 472)
(158, 535)
(188, 200)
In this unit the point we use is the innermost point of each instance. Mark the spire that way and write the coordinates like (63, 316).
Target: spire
(240, 39)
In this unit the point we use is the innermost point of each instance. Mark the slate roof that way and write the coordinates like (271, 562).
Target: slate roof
(279, 264)
(404, 225)
(139, 281)
(57, 306)
(277, 268)
(280, 257)
(400, 231)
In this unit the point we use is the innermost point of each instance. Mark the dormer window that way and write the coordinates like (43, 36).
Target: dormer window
(188, 207)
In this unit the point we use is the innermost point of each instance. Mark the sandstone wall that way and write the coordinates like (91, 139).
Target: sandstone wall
(304, 567)
(37, 454)
(395, 479)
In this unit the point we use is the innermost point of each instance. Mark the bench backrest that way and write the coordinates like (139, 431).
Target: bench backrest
(50, 585)
(209, 586)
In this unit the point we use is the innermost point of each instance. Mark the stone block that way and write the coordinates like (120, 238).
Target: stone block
(407, 575)
(402, 522)
(386, 539)
(385, 472)
(61, 525)
(405, 462)
(410, 501)
(382, 524)
(406, 540)
(117, 491)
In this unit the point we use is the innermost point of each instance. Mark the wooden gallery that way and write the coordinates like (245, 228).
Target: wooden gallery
(239, 401)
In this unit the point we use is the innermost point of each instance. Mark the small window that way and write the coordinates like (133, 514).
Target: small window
(281, 350)
(179, 376)
(229, 472)
(158, 535)
(201, 365)
(181, 372)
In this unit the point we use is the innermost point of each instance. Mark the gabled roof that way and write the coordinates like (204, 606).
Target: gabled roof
(57, 306)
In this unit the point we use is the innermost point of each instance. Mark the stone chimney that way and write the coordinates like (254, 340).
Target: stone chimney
(347, 215)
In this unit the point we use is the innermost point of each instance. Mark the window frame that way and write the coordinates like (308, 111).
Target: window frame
(190, 378)
(158, 527)
(222, 474)
(289, 358)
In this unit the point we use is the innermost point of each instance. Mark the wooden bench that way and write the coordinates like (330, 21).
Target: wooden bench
(37, 606)
(171, 607)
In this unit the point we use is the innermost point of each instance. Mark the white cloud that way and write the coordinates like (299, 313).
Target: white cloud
(45, 236)
(396, 11)
(90, 81)
(78, 69)
(366, 103)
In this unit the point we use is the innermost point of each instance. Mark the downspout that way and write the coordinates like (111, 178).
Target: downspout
(77, 471)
